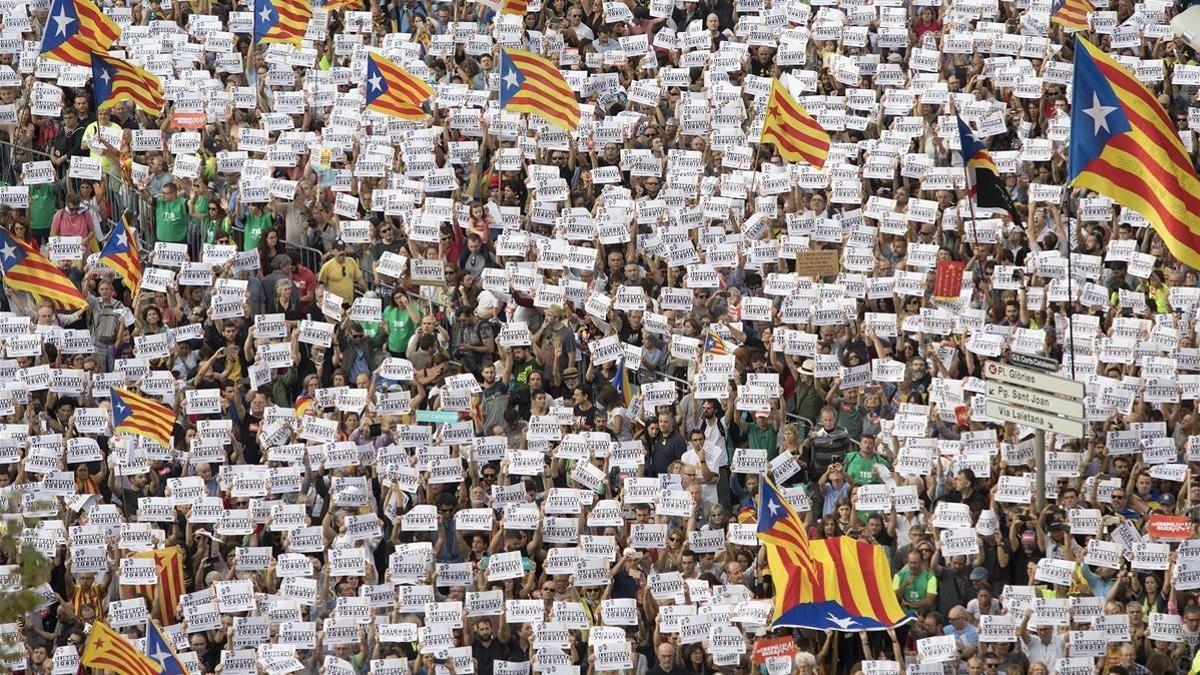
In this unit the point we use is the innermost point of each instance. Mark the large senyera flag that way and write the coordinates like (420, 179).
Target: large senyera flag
(1124, 146)
(75, 29)
(27, 270)
(841, 584)
(164, 596)
(794, 133)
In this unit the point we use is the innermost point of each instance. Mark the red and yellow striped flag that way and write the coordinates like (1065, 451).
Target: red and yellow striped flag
(109, 650)
(394, 91)
(75, 29)
(164, 596)
(795, 134)
(532, 84)
(27, 270)
(1071, 13)
(115, 80)
(1124, 146)
(840, 584)
(136, 414)
(281, 20)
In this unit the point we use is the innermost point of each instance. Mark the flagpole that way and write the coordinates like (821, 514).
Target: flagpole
(969, 189)
(1066, 209)
(970, 202)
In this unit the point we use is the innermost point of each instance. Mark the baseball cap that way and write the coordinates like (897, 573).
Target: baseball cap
(979, 574)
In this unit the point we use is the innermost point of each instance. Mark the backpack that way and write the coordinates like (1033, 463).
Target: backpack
(108, 323)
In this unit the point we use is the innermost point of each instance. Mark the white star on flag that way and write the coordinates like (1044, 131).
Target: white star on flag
(265, 14)
(773, 506)
(1099, 113)
(8, 251)
(511, 79)
(63, 21)
(376, 82)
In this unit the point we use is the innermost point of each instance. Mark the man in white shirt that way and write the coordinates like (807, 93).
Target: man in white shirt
(1047, 646)
(700, 457)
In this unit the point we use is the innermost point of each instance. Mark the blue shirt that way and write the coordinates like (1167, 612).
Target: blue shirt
(1100, 587)
(359, 364)
(967, 637)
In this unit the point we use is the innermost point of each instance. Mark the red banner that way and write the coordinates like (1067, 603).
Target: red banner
(772, 648)
(948, 282)
(188, 120)
(1170, 528)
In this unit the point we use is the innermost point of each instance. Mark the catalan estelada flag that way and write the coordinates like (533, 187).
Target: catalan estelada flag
(983, 176)
(394, 91)
(715, 344)
(120, 253)
(27, 270)
(331, 5)
(1124, 146)
(281, 20)
(841, 584)
(532, 84)
(794, 133)
(1071, 13)
(164, 596)
(107, 649)
(115, 80)
(620, 380)
(136, 414)
(75, 29)
(162, 651)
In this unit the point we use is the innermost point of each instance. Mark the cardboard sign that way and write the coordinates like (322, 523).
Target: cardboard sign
(817, 264)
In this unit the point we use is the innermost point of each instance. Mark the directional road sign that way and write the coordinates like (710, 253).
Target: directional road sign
(1066, 426)
(1059, 386)
(1030, 398)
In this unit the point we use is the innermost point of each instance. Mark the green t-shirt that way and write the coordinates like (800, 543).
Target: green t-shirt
(200, 206)
(859, 469)
(763, 438)
(370, 329)
(171, 220)
(211, 227)
(400, 326)
(255, 226)
(926, 584)
(42, 205)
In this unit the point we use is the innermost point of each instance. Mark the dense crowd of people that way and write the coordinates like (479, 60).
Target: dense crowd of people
(475, 394)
